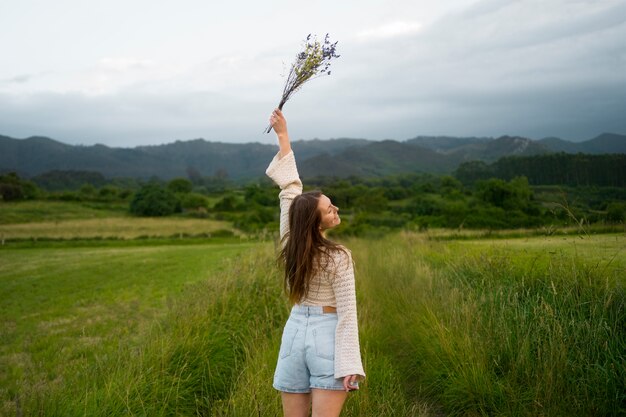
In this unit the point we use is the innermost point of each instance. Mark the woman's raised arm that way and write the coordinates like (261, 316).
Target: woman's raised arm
(283, 171)
(279, 124)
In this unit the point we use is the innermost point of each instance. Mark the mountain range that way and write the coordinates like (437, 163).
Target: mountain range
(334, 157)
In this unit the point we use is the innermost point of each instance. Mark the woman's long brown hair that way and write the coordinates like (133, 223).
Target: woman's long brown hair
(305, 250)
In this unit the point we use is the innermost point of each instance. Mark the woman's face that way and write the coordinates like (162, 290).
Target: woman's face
(330, 213)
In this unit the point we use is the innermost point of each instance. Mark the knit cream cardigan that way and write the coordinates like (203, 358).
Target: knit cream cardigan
(325, 289)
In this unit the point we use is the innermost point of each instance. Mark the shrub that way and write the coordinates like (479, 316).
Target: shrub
(108, 193)
(154, 200)
(515, 194)
(264, 196)
(12, 188)
(227, 203)
(255, 219)
(88, 191)
(180, 185)
(194, 201)
(615, 212)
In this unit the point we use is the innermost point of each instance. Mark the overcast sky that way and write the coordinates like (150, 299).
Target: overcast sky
(128, 73)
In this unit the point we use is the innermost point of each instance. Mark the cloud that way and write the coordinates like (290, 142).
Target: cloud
(19, 79)
(124, 64)
(499, 67)
(131, 118)
(390, 30)
(530, 67)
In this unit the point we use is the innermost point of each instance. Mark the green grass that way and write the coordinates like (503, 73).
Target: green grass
(532, 326)
(53, 220)
(42, 210)
(64, 307)
(503, 328)
(113, 228)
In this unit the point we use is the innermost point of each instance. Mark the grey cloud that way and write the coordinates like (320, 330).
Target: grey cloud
(535, 79)
(129, 119)
(21, 78)
(24, 78)
(506, 24)
(553, 68)
(18, 79)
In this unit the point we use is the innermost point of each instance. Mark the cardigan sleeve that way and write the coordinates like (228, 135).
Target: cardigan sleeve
(284, 172)
(347, 350)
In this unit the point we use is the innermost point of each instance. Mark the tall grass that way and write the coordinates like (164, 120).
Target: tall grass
(483, 334)
(188, 362)
(61, 309)
(447, 328)
(213, 355)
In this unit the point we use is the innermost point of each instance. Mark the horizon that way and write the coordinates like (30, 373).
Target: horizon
(133, 74)
(173, 141)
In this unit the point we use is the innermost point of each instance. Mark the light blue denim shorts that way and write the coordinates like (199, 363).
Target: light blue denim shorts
(307, 352)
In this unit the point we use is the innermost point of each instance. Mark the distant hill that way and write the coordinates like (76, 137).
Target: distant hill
(493, 150)
(444, 144)
(377, 159)
(473, 148)
(338, 157)
(604, 143)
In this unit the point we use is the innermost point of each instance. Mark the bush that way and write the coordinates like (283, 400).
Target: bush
(264, 196)
(373, 202)
(194, 201)
(515, 194)
(180, 185)
(227, 203)
(108, 193)
(255, 219)
(154, 200)
(13, 188)
(615, 212)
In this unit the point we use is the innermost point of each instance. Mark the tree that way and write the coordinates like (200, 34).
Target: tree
(180, 185)
(450, 185)
(616, 212)
(88, 190)
(264, 196)
(227, 203)
(12, 188)
(194, 201)
(154, 200)
(373, 201)
(515, 194)
(472, 171)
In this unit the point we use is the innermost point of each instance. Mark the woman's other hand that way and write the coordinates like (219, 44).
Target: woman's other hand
(350, 382)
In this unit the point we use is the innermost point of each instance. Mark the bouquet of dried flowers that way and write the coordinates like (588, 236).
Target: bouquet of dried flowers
(311, 63)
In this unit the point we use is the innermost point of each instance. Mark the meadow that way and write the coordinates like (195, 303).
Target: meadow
(510, 326)
(54, 220)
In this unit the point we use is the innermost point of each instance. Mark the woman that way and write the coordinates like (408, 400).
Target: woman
(319, 360)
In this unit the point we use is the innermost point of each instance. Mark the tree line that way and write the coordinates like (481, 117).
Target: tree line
(476, 196)
(556, 168)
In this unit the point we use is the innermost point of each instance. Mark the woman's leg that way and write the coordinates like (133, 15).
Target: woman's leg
(296, 405)
(327, 403)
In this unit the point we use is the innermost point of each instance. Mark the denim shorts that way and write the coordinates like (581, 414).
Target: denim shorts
(307, 352)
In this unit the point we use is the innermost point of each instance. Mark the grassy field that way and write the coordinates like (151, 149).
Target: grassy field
(54, 220)
(51, 211)
(62, 308)
(113, 228)
(529, 326)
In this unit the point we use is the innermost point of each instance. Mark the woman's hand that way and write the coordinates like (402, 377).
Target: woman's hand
(279, 124)
(350, 382)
